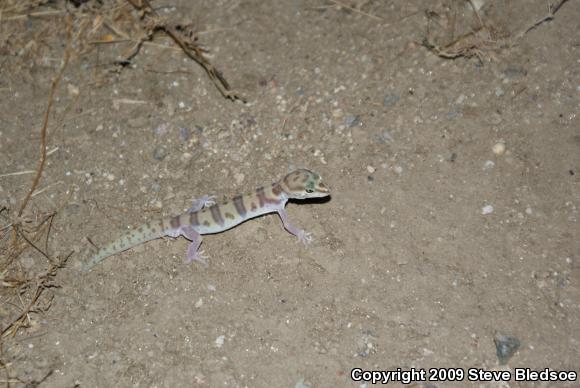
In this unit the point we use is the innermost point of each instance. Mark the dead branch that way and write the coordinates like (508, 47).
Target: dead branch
(483, 39)
(154, 23)
(552, 9)
(54, 85)
(43, 282)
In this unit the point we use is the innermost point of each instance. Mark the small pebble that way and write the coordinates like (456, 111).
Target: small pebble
(159, 153)
(219, 341)
(186, 157)
(452, 114)
(460, 99)
(505, 346)
(184, 133)
(487, 209)
(384, 137)
(337, 113)
(351, 121)
(488, 164)
(499, 91)
(371, 169)
(498, 148)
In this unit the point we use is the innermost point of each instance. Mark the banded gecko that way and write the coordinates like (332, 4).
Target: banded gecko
(207, 217)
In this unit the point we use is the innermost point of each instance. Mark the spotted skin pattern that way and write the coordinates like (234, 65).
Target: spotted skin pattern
(207, 217)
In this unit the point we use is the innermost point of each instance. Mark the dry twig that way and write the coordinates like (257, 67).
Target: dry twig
(340, 4)
(53, 87)
(476, 42)
(27, 287)
(552, 9)
(42, 282)
(154, 23)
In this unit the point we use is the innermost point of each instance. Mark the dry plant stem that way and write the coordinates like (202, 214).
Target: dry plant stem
(55, 83)
(448, 51)
(8, 379)
(33, 246)
(17, 173)
(341, 4)
(42, 283)
(481, 25)
(18, 246)
(19, 320)
(470, 44)
(34, 15)
(191, 50)
(552, 9)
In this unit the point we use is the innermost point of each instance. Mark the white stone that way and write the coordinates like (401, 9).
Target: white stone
(498, 148)
(487, 209)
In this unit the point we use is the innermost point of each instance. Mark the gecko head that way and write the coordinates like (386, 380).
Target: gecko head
(302, 183)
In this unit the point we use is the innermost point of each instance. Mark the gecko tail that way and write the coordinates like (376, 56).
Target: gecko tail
(128, 240)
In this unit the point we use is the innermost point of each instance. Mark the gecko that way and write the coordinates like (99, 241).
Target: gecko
(208, 217)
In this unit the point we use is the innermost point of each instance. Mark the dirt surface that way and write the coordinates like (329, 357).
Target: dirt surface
(453, 216)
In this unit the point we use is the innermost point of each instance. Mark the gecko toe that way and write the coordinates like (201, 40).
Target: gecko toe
(198, 257)
(305, 237)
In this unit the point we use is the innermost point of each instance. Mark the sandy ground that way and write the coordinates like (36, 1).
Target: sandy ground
(453, 216)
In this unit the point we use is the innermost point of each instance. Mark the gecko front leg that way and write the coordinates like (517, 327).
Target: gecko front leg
(193, 253)
(303, 236)
(200, 203)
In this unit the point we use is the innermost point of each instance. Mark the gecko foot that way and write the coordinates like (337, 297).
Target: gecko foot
(200, 203)
(197, 256)
(304, 237)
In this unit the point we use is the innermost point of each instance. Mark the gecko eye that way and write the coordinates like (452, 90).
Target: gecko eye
(309, 191)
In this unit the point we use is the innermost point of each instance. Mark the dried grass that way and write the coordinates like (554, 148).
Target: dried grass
(31, 32)
(482, 42)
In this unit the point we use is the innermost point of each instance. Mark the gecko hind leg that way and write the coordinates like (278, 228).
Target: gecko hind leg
(200, 203)
(193, 252)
